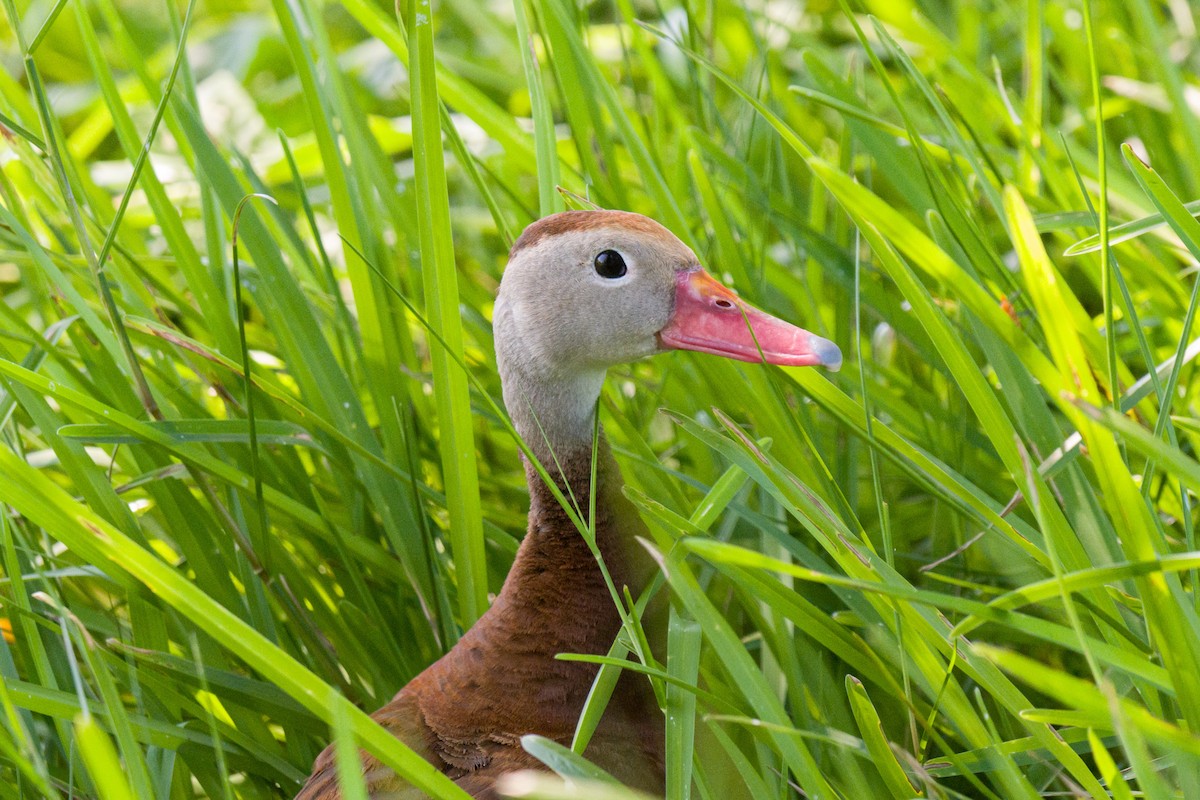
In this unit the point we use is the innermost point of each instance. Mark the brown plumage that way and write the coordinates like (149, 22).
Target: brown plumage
(560, 321)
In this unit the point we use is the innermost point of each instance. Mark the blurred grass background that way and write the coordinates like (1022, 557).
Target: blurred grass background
(964, 566)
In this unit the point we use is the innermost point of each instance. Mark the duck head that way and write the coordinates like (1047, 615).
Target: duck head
(585, 290)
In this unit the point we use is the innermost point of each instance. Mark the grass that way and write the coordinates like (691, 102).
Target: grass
(247, 497)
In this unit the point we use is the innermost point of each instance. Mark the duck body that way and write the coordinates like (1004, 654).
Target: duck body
(466, 713)
(582, 291)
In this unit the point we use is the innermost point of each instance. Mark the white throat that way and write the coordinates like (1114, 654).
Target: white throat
(554, 414)
(552, 405)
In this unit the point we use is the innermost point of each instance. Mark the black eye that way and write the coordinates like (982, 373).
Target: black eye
(609, 264)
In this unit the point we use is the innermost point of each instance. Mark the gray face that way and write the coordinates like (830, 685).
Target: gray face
(558, 315)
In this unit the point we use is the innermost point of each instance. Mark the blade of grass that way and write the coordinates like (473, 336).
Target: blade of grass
(683, 663)
(545, 139)
(1127, 231)
(456, 442)
(1106, 267)
(882, 756)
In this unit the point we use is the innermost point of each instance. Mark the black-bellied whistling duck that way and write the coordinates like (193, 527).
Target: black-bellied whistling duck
(583, 290)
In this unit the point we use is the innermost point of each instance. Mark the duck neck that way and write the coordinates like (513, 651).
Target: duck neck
(556, 579)
(554, 414)
(556, 570)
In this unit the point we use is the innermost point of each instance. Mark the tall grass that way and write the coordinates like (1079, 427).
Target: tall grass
(964, 566)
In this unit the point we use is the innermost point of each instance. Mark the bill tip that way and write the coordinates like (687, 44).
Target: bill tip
(829, 353)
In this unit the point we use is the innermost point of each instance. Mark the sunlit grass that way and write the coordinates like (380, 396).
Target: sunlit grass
(964, 566)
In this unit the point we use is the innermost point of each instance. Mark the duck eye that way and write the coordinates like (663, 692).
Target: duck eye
(610, 264)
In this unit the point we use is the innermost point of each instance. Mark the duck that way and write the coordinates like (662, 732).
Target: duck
(582, 291)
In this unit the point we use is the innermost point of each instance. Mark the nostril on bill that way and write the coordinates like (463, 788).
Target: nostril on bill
(724, 304)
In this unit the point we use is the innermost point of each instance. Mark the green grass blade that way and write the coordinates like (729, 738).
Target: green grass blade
(455, 441)
(1127, 231)
(882, 756)
(683, 663)
(101, 759)
(544, 136)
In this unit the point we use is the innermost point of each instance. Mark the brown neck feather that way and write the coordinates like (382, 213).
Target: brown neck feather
(555, 575)
(554, 601)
